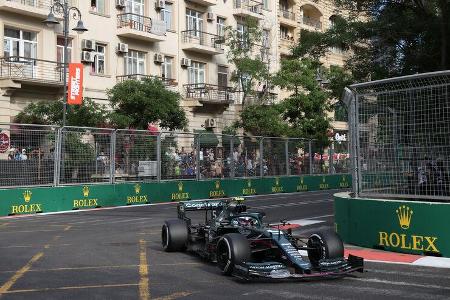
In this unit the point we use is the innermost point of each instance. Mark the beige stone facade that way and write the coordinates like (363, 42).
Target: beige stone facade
(129, 39)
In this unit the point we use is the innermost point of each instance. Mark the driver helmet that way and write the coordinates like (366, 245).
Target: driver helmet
(246, 221)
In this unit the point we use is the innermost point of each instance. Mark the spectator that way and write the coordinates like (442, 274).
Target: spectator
(23, 155)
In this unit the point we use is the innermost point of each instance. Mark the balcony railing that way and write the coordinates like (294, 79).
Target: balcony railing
(134, 21)
(249, 5)
(286, 14)
(165, 81)
(203, 39)
(261, 98)
(313, 22)
(31, 69)
(209, 93)
(42, 4)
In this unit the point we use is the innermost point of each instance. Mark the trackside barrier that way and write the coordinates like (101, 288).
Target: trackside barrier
(52, 199)
(402, 226)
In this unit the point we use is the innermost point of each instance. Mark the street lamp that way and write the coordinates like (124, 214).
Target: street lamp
(61, 7)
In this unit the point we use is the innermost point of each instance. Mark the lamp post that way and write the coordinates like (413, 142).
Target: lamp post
(61, 7)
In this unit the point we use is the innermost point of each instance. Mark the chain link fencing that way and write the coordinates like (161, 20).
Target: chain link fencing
(34, 155)
(400, 136)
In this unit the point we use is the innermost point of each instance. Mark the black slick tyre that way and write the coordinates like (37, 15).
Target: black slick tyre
(174, 235)
(232, 249)
(325, 245)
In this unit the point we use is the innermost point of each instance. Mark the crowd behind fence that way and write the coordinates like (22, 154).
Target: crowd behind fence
(42, 155)
(400, 133)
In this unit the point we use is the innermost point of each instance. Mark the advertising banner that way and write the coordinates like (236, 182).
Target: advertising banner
(75, 91)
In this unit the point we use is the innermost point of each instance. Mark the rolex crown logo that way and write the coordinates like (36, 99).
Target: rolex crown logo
(249, 183)
(404, 214)
(180, 186)
(85, 191)
(137, 188)
(27, 195)
(217, 185)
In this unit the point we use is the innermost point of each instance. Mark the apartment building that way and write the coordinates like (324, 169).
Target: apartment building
(180, 42)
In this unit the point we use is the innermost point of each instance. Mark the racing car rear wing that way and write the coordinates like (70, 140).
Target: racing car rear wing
(195, 205)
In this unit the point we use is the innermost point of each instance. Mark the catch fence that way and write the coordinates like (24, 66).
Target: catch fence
(400, 137)
(41, 155)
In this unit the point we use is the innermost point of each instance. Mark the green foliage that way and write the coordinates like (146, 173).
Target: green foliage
(386, 38)
(89, 114)
(305, 110)
(244, 52)
(263, 120)
(136, 103)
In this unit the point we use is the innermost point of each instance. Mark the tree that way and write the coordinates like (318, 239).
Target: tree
(386, 38)
(305, 110)
(263, 120)
(248, 55)
(138, 102)
(89, 114)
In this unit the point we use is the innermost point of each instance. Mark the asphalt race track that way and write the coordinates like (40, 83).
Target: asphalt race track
(116, 254)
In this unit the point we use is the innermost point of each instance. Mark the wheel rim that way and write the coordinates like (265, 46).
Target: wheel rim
(165, 236)
(318, 252)
(223, 254)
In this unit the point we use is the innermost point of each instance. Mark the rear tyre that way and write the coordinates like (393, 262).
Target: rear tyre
(326, 245)
(232, 249)
(174, 235)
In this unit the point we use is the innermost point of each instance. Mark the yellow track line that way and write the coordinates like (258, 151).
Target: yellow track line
(144, 292)
(71, 288)
(4, 288)
(174, 296)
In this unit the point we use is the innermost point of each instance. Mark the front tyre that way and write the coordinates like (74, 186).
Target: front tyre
(174, 235)
(324, 245)
(232, 249)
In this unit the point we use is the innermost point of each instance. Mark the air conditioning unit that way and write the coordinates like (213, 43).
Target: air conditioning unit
(186, 62)
(160, 4)
(210, 123)
(120, 4)
(87, 45)
(210, 16)
(158, 58)
(87, 57)
(122, 48)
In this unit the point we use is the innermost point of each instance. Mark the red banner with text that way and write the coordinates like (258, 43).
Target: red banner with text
(75, 92)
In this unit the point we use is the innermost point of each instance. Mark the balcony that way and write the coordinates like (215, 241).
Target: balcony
(287, 17)
(260, 98)
(204, 2)
(312, 22)
(139, 27)
(209, 93)
(32, 8)
(202, 42)
(248, 8)
(32, 71)
(168, 82)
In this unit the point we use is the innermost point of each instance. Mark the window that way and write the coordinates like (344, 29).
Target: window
(196, 73)
(222, 77)
(98, 6)
(266, 38)
(284, 5)
(60, 49)
(194, 22)
(166, 15)
(242, 33)
(166, 67)
(18, 42)
(135, 63)
(266, 4)
(98, 66)
(135, 7)
(284, 33)
(220, 26)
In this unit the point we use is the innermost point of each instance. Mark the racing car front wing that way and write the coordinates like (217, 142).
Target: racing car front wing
(329, 268)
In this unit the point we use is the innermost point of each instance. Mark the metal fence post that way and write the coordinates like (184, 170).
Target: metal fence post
(112, 158)
(310, 158)
(57, 157)
(158, 156)
(330, 158)
(232, 157)
(261, 159)
(197, 156)
(288, 170)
